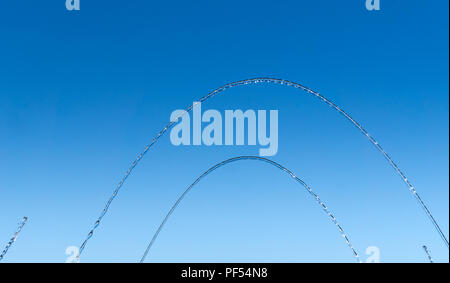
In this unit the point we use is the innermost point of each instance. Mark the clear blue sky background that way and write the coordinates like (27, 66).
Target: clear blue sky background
(82, 93)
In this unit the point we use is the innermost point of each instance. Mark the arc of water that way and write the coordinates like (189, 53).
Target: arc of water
(256, 158)
(14, 238)
(425, 248)
(275, 81)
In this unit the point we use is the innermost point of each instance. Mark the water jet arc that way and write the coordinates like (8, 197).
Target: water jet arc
(274, 81)
(254, 158)
(14, 237)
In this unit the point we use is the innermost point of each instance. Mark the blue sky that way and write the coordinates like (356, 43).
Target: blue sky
(83, 92)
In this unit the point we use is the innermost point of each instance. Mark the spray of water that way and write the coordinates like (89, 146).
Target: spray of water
(262, 159)
(14, 238)
(273, 81)
(428, 253)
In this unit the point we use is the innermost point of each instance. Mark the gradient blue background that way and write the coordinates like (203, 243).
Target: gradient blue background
(82, 93)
